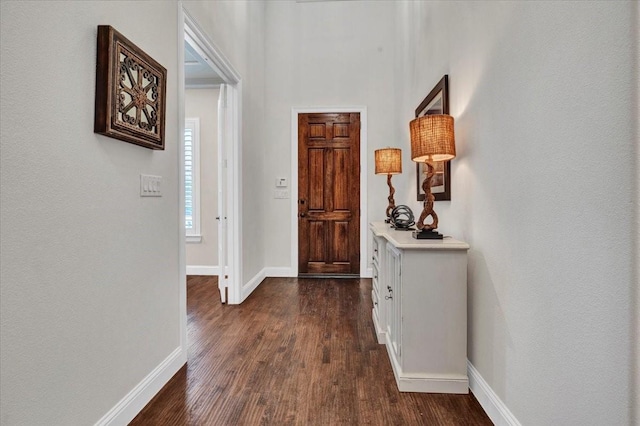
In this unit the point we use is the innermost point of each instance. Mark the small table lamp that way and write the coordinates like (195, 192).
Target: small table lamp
(389, 162)
(432, 139)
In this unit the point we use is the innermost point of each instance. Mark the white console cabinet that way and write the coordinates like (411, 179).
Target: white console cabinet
(420, 309)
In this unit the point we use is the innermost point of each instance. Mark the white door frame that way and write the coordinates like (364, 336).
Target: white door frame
(188, 27)
(364, 271)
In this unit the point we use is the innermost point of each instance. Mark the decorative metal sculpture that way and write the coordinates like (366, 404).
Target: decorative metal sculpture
(130, 91)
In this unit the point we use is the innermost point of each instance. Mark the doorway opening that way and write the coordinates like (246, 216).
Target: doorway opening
(216, 85)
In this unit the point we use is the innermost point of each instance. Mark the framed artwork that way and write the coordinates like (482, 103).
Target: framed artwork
(130, 91)
(436, 102)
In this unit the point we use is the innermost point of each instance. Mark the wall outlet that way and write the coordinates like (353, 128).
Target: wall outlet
(150, 186)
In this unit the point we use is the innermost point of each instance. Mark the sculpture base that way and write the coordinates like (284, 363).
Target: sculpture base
(427, 235)
(402, 229)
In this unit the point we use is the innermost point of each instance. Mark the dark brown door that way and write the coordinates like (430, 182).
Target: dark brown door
(329, 193)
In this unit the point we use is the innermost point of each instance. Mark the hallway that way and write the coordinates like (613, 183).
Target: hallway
(296, 352)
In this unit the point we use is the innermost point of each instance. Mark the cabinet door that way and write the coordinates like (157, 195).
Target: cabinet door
(375, 291)
(379, 282)
(394, 288)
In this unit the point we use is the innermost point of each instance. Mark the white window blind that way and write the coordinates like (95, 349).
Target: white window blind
(192, 179)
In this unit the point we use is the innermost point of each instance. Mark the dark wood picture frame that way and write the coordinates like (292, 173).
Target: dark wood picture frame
(130, 91)
(436, 102)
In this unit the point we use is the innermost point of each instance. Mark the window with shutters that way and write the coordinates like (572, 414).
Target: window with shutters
(192, 179)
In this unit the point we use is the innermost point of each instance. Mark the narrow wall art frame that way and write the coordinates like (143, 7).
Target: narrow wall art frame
(436, 102)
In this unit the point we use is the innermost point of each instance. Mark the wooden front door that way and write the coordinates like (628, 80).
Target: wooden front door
(329, 193)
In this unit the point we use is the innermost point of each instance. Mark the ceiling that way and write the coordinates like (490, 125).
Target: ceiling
(197, 71)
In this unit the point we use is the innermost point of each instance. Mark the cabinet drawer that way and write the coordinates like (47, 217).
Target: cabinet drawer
(376, 251)
(375, 302)
(375, 282)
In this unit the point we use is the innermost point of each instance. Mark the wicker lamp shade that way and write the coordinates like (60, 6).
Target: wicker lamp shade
(388, 161)
(432, 138)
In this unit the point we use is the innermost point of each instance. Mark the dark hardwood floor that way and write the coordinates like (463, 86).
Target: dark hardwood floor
(296, 352)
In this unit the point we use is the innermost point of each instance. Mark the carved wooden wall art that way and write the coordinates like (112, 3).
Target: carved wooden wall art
(130, 92)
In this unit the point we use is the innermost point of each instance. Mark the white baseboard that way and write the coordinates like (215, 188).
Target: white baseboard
(129, 406)
(490, 402)
(279, 272)
(203, 270)
(283, 271)
(252, 284)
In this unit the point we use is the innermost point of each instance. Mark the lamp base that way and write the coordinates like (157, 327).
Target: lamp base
(430, 234)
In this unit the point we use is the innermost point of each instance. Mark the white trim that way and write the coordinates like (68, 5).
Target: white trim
(274, 271)
(495, 408)
(193, 239)
(224, 124)
(191, 84)
(129, 406)
(252, 284)
(182, 275)
(205, 47)
(364, 170)
(234, 195)
(197, 38)
(203, 270)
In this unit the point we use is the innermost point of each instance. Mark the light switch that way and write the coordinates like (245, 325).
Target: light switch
(282, 183)
(150, 186)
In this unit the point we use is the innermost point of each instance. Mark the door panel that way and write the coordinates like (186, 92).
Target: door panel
(340, 234)
(317, 243)
(316, 176)
(341, 180)
(329, 193)
(223, 119)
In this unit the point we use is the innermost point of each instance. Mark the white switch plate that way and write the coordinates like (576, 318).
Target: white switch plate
(281, 193)
(282, 183)
(150, 186)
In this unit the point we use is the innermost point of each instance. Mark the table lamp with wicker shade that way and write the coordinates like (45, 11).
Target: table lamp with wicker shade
(432, 139)
(389, 162)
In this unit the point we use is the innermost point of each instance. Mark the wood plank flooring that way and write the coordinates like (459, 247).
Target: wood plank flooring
(296, 352)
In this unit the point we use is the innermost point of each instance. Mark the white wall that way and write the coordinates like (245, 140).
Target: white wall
(324, 54)
(635, 284)
(90, 283)
(635, 335)
(546, 126)
(237, 29)
(203, 104)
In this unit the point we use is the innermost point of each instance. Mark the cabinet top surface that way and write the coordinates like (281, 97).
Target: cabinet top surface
(404, 240)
